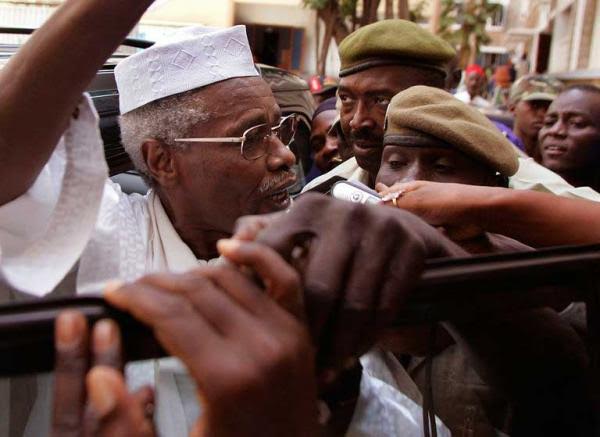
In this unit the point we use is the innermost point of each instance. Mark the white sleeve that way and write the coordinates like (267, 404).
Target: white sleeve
(535, 177)
(44, 231)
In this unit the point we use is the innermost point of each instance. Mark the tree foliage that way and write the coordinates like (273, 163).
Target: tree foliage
(417, 13)
(338, 18)
(463, 24)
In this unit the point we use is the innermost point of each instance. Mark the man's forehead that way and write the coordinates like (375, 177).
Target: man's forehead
(385, 79)
(238, 96)
(576, 103)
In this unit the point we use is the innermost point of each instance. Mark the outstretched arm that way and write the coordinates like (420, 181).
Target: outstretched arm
(537, 219)
(42, 84)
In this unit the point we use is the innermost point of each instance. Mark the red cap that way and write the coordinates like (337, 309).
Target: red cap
(315, 84)
(474, 68)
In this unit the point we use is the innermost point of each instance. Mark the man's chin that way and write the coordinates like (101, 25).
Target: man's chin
(368, 159)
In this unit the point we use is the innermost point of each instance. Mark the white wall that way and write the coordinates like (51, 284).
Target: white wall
(560, 52)
(595, 51)
(217, 13)
(21, 15)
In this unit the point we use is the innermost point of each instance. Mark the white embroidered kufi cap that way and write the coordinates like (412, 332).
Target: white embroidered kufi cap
(189, 58)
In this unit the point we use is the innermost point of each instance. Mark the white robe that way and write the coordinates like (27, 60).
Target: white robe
(75, 229)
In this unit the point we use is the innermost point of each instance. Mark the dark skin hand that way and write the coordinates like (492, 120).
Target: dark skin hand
(94, 402)
(360, 265)
(346, 303)
(41, 85)
(536, 219)
(213, 317)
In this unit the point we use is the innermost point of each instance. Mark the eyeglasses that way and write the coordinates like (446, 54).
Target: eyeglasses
(254, 140)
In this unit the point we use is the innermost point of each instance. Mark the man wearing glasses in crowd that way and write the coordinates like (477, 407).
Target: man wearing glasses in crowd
(206, 134)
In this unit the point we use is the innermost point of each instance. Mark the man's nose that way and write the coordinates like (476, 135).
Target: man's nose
(279, 156)
(362, 117)
(558, 129)
(413, 173)
(331, 146)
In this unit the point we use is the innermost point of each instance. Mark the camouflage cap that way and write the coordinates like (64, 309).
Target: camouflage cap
(535, 87)
(393, 42)
(438, 114)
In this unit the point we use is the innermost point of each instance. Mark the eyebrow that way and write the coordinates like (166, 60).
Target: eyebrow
(246, 122)
(343, 89)
(568, 114)
(577, 113)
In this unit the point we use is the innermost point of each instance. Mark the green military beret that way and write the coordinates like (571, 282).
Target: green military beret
(436, 113)
(393, 42)
(535, 87)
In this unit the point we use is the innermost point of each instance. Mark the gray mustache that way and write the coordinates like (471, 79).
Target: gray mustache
(276, 181)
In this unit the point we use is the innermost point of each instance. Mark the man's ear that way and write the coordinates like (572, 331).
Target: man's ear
(511, 107)
(160, 160)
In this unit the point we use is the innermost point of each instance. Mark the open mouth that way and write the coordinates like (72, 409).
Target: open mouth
(554, 150)
(280, 193)
(366, 144)
(280, 196)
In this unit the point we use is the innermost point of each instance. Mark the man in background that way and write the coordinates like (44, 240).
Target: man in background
(475, 82)
(570, 136)
(530, 98)
(382, 59)
(324, 140)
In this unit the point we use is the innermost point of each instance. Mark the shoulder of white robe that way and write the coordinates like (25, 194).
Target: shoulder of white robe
(44, 262)
(535, 177)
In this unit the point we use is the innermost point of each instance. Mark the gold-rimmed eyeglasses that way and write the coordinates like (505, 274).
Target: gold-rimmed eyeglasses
(254, 140)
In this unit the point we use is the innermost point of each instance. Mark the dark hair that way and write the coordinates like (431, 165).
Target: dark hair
(583, 87)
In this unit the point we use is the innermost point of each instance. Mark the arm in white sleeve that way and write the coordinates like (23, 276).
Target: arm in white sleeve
(44, 231)
(535, 177)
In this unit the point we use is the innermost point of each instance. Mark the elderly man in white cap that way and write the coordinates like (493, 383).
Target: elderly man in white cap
(205, 131)
(200, 125)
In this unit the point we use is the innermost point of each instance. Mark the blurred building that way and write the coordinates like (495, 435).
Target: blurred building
(281, 32)
(561, 37)
(557, 36)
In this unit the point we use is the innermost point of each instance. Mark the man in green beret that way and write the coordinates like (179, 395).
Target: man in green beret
(377, 62)
(530, 97)
(432, 136)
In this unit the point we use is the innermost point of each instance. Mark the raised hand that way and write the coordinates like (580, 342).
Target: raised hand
(358, 264)
(252, 360)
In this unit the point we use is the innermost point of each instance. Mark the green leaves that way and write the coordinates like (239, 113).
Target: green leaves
(347, 7)
(316, 4)
(471, 16)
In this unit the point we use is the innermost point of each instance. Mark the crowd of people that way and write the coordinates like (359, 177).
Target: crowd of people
(279, 313)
